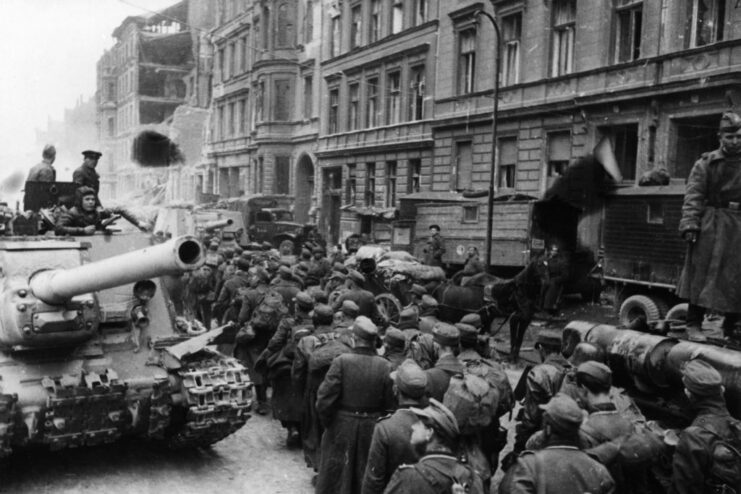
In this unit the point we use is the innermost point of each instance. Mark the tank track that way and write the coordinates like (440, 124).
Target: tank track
(7, 414)
(217, 394)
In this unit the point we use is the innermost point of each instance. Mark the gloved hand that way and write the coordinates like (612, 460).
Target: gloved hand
(690, 236)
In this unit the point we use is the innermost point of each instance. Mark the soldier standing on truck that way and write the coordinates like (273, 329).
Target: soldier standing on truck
(711, 226)
(435, 248)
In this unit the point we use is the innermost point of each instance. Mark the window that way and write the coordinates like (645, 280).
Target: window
(375, 20)
(282, 174)
(356, 26)
(371, 102)
(308, 21)
(420, 12)
(308, 96)
(283, 100)
(690, 138)
(393, 98)
(284, 33)
(370, 184)
(511, 33)
(417, 96)
(353, 120)
(464, 165)
(414, 172)
(397, 17)
(111, 127)
(258, 36)
(351, 184)
(111, 93)
(507, 162)
(260, 102)
(655, 213)
(624, 140)
(243, 116)
(265, 27)
(230, 119)
(466, 60)
(222, 61)
(559, 153)
(564, 26)
(390, 184)
(629, 17)
(335, 41)
(260, 174)
(220, 122)
(243, 54)
(707, 20)
(334, 102)
(471, 213)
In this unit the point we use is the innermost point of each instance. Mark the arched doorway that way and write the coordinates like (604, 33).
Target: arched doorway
(304, 188)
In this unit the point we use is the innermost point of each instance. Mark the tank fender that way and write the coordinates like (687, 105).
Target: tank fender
(173, 356)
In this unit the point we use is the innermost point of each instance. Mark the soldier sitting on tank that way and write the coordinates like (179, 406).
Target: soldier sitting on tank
(85, 218)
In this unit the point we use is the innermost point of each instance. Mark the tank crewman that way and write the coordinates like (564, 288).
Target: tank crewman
(345, 317)
(562, 466)
(85, 217)
(287, 398)
(355, 392)
(390, 445)
(446, 339)
(85, 175)
(394, 343)
(542, 383)
(314, 355)
(435, 248)
(435, 435)
(707, 456)
(428, 313)
(44, 171)
(711, 225)
(224, 307)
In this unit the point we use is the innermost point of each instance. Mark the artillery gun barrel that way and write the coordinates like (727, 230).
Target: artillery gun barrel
(216, 224)
(169, 258)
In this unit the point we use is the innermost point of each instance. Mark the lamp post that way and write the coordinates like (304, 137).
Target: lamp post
(494, 147)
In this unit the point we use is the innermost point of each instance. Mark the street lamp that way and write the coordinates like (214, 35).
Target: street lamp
(494, 147)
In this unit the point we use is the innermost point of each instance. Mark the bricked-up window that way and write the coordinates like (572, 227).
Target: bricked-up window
(414, 172)
(282, 174)
(393, 98)
(308, 21)
(371, 102)
(284, 33)
(397, 16)
(559, 152)
(283, 100)
(351, 184)
(463, 165)
(417, 96)
(334, 108)
(356, 26)
(390, 184)
(507, 162)
(564, 28)
(707, 19)
(624, 139)
(370, 184)
(466, 60)
(308, 96)
(511, 34)
(420, 12)
(375, 21)
(353, 117)
(336, 30)
(628, 25)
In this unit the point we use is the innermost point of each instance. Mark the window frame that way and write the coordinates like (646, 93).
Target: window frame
(356, 26)
(371, 99)
(511, 71)
(393, 96)
(414, 175)
(333, 106)
(392, 168)
(417, 86)
(466, 62)
(370, 184)
(718, 22)
(563, 34)
(353, 106)
(627, 8)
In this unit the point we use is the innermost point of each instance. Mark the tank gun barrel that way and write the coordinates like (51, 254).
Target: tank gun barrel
(169, 258)
(216, 224)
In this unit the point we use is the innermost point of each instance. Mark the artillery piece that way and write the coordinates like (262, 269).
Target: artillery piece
(649, 366)
(71, 373)
(212, 226)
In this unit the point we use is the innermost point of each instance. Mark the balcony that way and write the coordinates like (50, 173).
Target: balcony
(385, 138)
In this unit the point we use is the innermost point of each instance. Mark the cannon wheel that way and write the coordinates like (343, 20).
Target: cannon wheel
(637, 306)
(389, 307)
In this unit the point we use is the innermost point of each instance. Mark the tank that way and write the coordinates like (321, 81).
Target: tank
(90, 351)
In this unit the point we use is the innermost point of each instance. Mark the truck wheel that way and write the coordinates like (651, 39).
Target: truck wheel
(638, 306)
(286, 247)
(678, 313)
(389, 306)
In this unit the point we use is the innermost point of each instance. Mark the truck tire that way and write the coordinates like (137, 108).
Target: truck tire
(389, 307)
(638, 306)
(678, 313)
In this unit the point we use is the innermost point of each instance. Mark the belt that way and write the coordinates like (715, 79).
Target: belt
(734, 205)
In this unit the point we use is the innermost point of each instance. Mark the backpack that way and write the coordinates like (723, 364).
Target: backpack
(269, 311)
(494, 374)
(725, 469)
(421, 349)
(473, 401)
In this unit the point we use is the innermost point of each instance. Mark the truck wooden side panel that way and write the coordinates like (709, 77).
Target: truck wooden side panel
(510, 235)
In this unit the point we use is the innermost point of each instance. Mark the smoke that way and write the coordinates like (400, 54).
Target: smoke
(152, 149)
(12, 184)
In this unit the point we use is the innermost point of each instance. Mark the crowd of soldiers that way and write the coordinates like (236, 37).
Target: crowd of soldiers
(370, 404)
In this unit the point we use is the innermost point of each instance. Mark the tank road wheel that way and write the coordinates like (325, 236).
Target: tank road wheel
(638, 306)
(389, 307)
(286, 247)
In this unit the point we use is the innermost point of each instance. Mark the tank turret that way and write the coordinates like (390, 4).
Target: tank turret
(56, 306)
